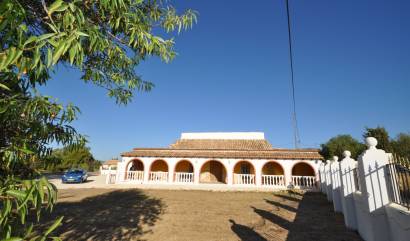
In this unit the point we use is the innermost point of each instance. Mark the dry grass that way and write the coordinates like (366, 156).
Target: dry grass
(101, 214)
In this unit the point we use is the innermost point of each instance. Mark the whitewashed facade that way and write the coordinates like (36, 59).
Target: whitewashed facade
(234, 159)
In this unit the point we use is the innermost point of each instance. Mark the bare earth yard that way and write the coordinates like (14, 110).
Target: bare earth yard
(133, 214)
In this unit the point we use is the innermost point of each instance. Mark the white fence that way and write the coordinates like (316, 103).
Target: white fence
(136, 176)
(184, 177)
(273, 180)
(304, 181)
(245, 179)
(111, 178)
(158, 176)
(360, 190)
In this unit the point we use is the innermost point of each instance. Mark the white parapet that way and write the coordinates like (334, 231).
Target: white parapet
(224, 135)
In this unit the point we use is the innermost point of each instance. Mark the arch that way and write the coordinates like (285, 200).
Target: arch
(159, 166)
(135, 165)
(213, 171)
(272, 168)
(184, 166)
(244, 167)
(303, 169)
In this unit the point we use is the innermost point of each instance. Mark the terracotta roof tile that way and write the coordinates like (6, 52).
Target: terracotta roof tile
(212, 144)
(248, 154)
(111, 162)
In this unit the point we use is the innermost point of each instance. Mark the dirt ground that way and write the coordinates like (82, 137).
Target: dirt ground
(133, 214)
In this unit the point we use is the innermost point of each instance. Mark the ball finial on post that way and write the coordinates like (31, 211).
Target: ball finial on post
(371, 143)
(347, 154)
(335, 158)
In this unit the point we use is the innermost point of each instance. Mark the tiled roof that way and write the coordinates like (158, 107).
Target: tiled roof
(312, 154)
(110, 162)
(212, 144)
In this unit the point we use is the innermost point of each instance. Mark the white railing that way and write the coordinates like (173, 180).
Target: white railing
(184, 177)
(245, 179)
(134, 176)
(273, 180)
(304, 181)
(158, 176)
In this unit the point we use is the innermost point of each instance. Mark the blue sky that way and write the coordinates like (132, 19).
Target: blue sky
(351, 63)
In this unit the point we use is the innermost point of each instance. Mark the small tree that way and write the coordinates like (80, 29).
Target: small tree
(105, 40)
(337, 145)
(382, 136)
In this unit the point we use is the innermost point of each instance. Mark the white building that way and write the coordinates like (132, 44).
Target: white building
(234, 159)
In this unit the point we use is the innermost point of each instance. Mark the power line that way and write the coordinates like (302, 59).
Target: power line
(294, 119)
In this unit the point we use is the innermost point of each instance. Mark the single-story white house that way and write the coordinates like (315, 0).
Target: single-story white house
(108, 167)
(234, 159)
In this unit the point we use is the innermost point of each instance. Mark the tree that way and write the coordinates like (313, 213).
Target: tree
(382, 136)
(105, 40)
(401, 145)
(68, 157)
(337, 145)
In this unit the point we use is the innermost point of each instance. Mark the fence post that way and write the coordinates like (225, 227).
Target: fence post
(322, 177)
(328, 181)
(372, 177)
(347, 177)
(335, 172)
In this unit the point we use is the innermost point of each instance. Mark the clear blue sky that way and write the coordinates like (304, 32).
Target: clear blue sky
(352, 69)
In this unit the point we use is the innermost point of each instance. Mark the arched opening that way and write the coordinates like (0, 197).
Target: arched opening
(213, 172)
(135, 165)
(302, 169)
(273, 174)
(158, 171)
(303, 175)
(243, 173)
(135, 171)
(184, 172)
(272, 168)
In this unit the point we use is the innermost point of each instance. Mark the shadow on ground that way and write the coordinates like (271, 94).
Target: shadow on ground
(117, 215)
(312, 219)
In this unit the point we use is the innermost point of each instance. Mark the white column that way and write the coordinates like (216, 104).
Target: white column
(335, 172)
(147, 165)
(371, 164)
(287, 171)
(171, 168)
(229, 164)
(347, 176)
(258, 164)
(322, 176)
(197, 171)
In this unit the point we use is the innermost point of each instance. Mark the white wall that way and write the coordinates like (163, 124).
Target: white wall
(228, 163)
(369, 209)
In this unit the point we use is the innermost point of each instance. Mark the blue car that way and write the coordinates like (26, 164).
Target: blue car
(77, 176)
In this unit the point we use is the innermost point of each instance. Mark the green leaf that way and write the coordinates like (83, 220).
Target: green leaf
(58, 52)
(54, 226)
(14, 239)
(49, 57)
(45, 36)
(30, 40)
(16, 193)
(4, 86)
(55, 5)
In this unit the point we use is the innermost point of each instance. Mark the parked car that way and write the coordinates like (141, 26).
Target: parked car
(76, 175)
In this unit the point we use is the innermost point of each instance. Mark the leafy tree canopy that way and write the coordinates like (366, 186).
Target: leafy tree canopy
(401, 145)
(105, 40)
(337, 145)
(68, 157)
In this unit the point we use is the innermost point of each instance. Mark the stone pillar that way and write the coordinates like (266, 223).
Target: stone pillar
(287, 172)
(335, 172)
(328, 175)
(372, 177)
(347, 177)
